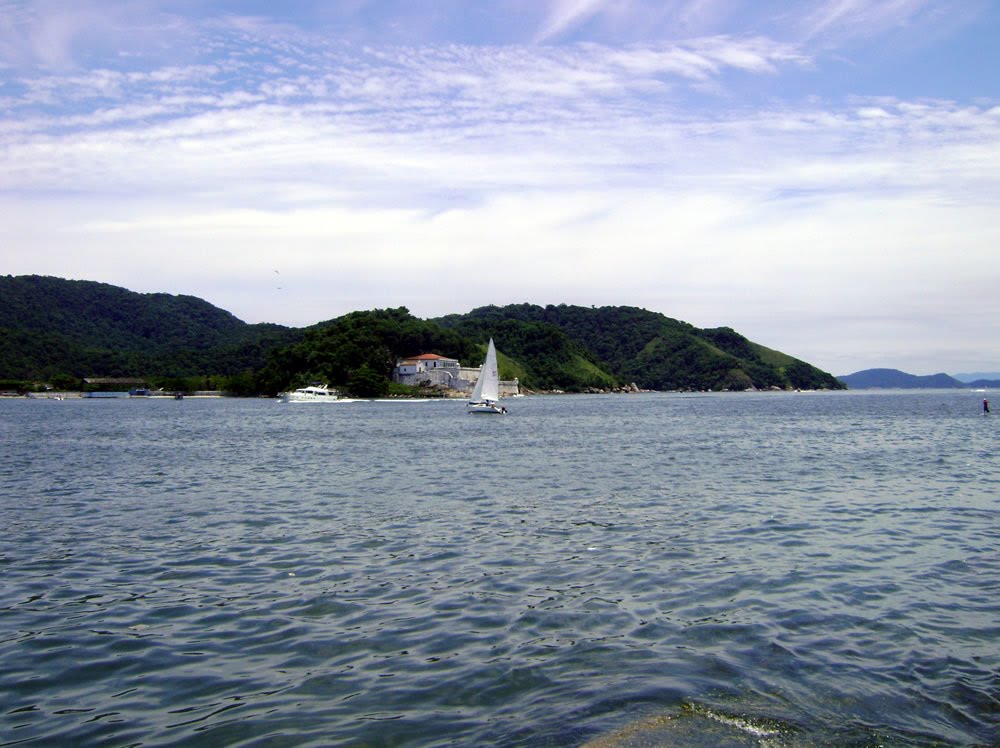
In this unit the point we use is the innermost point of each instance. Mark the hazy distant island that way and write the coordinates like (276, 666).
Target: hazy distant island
(73, 334)
(895, 379)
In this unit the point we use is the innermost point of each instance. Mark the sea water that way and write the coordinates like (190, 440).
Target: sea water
(772, 569)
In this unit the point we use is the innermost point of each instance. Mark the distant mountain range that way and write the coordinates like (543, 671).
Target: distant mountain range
(976, 376)
(896, 379)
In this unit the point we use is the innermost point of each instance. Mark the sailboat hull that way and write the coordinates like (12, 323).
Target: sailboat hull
(486, 409)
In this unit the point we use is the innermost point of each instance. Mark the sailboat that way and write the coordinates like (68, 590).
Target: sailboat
(486, 393)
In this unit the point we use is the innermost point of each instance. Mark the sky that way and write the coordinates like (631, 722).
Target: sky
(823, 177)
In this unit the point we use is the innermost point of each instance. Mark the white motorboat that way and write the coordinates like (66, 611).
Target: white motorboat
(486, 394)
(316, 393)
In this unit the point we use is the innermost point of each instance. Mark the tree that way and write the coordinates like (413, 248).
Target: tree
(65, 382)
(366, 382)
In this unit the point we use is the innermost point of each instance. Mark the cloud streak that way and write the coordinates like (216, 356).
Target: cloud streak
(857, 18)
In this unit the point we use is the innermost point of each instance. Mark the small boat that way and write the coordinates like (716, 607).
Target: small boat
(315, 393)
(486, 394)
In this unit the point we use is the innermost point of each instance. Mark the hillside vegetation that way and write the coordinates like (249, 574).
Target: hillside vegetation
(55, 329)
(50, 326)
(626, 344)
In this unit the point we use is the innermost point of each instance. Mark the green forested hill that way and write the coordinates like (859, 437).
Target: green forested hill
(50, 327)
(656, 352)
(551, 357)
(360, 350)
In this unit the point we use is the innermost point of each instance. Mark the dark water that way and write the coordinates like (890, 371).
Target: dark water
(748, 569)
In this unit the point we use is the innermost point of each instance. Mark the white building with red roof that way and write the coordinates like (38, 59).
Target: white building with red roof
(428, 368)
(432, 369)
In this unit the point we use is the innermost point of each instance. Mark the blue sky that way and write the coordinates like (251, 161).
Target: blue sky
(823, 177)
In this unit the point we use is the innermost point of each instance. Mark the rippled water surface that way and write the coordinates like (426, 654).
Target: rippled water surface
(786, 569)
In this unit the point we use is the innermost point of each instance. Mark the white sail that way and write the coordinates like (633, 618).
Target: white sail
(490, 376)
(487, 389)
(477, 391)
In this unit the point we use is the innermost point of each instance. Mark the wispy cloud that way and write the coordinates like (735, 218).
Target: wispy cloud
(385, 112)
(566, 13)
(61, 36)
(839, 20)
(829, 22)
